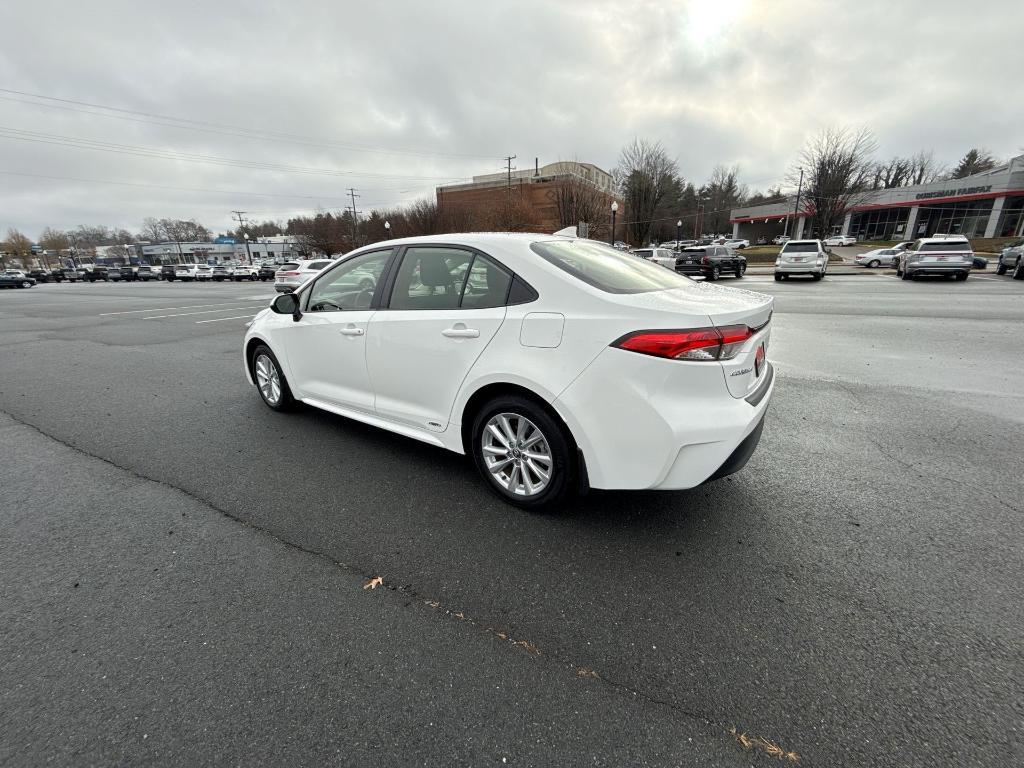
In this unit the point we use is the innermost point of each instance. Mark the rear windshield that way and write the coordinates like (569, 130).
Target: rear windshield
(643, 252)
(607, 269)
(948, 245)
(695, 249)
(290, 265)
(792, 247)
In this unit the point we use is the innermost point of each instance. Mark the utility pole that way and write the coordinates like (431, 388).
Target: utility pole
(355, 219)
(509, 168)
(241, 224)
(796, 205)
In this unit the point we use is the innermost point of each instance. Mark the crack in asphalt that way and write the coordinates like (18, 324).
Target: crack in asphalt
(406, 590)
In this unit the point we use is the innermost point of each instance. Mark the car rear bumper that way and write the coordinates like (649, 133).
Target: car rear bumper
(938, 268)
(648, 423)
(801, 268)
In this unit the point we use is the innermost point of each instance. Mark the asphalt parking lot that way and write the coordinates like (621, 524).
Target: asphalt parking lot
(184, 570)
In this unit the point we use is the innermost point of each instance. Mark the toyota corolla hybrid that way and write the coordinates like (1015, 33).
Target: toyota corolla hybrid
(556, 363)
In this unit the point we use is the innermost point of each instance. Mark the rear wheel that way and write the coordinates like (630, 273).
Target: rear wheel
(1000, 268)
(778, 278)
(26, 284)
(1018, 271)
(905, 275)
(741, 269)
(716, 272)
(525, 455)
(270, 381)
(874, 264)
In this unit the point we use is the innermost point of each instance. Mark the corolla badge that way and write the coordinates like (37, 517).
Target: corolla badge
(741, 371)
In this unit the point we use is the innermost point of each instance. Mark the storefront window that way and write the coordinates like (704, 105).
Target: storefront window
(1011, 220)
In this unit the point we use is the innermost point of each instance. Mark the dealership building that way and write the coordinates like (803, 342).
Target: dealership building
(989, 204)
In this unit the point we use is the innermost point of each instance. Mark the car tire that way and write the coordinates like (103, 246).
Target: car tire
(874, 264)
(1000, 268)
(716, 272)
(741, 270)
(560, 451)
(817, 275)
(778, 278)
(25, 284)
(905, 275)
(961, 276)
(1018, 271)
(266, 370)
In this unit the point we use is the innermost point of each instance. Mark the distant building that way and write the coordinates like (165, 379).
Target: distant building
(279, 248)
(536, 189)
(989, 204)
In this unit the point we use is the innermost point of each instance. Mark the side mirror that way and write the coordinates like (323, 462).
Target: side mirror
(287, 304)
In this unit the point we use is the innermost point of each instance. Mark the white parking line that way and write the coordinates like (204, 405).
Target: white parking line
(993, 279)
(217, 320)
(201, 312)
(191, 306)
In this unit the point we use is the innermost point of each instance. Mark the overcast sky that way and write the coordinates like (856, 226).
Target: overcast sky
(393, 98)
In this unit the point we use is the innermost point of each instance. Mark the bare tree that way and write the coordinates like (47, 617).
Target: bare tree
(838, 171)
(975, 161)
(54, 240)
(645, 174)
(18, 246)
(720, 195)
(576, 202)
(919, 168)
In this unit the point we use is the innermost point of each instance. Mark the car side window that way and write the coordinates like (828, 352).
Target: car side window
(431, 278)
(350, 285)
(487, 285)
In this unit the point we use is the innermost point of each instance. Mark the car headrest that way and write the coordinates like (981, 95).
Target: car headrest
(434, 272)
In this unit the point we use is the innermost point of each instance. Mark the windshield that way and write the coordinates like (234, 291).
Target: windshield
(607, 269)
(792, 247)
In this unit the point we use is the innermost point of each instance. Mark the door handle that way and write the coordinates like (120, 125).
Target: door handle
(460, 331)
(351, 330)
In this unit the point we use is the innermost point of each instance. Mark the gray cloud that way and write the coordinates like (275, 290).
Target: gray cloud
(717, 81)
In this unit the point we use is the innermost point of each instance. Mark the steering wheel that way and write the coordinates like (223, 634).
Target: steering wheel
(323, 304)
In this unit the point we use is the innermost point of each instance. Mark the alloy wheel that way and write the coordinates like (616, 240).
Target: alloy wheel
(517, 454)
(268, 379)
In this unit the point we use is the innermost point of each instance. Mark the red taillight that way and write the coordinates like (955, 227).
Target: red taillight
(696, 344)
(287, 274)
(704, 260)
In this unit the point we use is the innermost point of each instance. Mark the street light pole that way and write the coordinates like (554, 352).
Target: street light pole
(796, 206)
(615, 208)
(387, 229)
(248, 253)
(679, 228)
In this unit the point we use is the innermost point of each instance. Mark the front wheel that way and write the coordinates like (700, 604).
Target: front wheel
(778, 278)
(741, 270)
(26, 284)
(874, 264)
(905, 275)
(525, 455)
(270, 381)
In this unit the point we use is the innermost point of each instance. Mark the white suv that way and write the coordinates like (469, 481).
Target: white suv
(802, 257)
(950, 256)
(294, 273)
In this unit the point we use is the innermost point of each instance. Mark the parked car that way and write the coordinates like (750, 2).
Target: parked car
(781, 240)
(802, 257)
(549, 374)
(247, 272)
(169, 272)
(737, 245)
(267, 272)
(186, 272)
(841, 240)
(663, 256)
(292, 274)
(980, 262)
(877, 257)
(619, 245)
(74, 274)
(113, 273)
(948, 256)
(711, 261)
(148, 272)
(221, 272)
(40, 275)
(204, 272)
(1010, 257)
(97, 272)
(16, 278)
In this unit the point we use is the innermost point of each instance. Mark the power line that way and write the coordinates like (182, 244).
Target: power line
(221, 128)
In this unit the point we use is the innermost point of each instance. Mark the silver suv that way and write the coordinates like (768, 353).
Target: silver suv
(802, 257)
(936, 256)
(1010, 260)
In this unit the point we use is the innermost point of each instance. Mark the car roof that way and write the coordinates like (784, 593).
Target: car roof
(801, 241)
(946, 239)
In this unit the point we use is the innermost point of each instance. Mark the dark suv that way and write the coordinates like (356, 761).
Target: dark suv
(97, 272)
(711, 261)
(167, 272)
(267, 271)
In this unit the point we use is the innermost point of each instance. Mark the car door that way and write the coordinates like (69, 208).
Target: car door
(445, 306)
(325, 348)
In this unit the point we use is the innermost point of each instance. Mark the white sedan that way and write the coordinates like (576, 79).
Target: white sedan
(555, 363)
(841, 240)
(877, 257)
